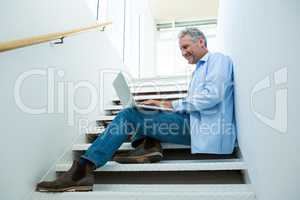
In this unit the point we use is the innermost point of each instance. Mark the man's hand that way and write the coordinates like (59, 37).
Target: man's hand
(151, 102)
(164, 104)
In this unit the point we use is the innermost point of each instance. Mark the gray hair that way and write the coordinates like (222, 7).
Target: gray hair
(194, 33)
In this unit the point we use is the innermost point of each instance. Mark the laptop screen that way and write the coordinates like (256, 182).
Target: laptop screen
(123, 91)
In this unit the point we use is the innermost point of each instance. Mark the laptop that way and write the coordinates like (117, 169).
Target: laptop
(123, 91)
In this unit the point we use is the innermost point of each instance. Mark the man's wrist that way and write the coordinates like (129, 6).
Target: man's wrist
(166, 104)
(162, 104)
(175, 103)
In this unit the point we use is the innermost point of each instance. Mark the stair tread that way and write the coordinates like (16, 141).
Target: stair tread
(170, 165)
(106, 118)
(206, 188)
(167, 191)
(127, 146)
(159, 89)
(113, 107)
(96, 133)
(152, 83)
(155, 96)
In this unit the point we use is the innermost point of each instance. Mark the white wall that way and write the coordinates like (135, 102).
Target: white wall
(135, 41)
(92, 5)
(31, 143)
(184, 10)
(139, 39)
(263, 37)
(115, 13)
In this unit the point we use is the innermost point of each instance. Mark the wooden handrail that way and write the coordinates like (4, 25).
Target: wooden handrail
(14, 44)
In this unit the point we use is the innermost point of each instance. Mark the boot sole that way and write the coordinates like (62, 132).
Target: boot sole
(147, 158)
(67, 189)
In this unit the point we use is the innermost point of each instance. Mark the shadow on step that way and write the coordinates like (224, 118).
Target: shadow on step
(185, 154)
(184, 177)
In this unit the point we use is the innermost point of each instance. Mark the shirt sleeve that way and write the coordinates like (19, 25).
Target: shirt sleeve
(206, 94)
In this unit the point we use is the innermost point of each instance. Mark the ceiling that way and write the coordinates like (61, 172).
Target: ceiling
(180, 10)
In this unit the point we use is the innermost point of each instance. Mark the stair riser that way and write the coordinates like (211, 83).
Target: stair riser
(197, 177)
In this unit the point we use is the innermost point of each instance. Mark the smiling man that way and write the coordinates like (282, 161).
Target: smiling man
(204, 120)
(210, 99)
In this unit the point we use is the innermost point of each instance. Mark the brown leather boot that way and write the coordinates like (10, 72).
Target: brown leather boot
(77, 178)
(148, 151)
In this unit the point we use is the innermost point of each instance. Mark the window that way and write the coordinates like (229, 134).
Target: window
(146, 51)
(169, 60)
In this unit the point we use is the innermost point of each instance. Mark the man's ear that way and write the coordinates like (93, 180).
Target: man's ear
(201, 42)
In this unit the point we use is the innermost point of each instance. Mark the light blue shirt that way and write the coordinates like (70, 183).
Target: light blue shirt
(210, 103)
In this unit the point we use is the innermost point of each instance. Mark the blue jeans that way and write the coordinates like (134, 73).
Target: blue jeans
(169, 127)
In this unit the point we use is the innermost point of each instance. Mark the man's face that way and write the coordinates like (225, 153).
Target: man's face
(191, 51)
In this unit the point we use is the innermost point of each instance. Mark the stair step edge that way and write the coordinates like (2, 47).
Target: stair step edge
(127, 146)
(168, 191)
(170, 165)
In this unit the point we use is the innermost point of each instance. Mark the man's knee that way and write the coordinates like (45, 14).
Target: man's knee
(129, 113)
(129, 118)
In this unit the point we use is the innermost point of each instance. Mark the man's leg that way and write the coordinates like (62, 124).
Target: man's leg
(159, 126)
(79, 177)
(127, 121)
(167, 127)
(147, 150)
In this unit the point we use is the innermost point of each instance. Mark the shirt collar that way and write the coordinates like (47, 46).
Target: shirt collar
(203, 59)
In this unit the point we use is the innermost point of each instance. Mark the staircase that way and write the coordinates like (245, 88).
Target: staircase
(180, 175)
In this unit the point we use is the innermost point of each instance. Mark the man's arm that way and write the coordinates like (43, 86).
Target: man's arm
(210, 92)
(164, 104)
